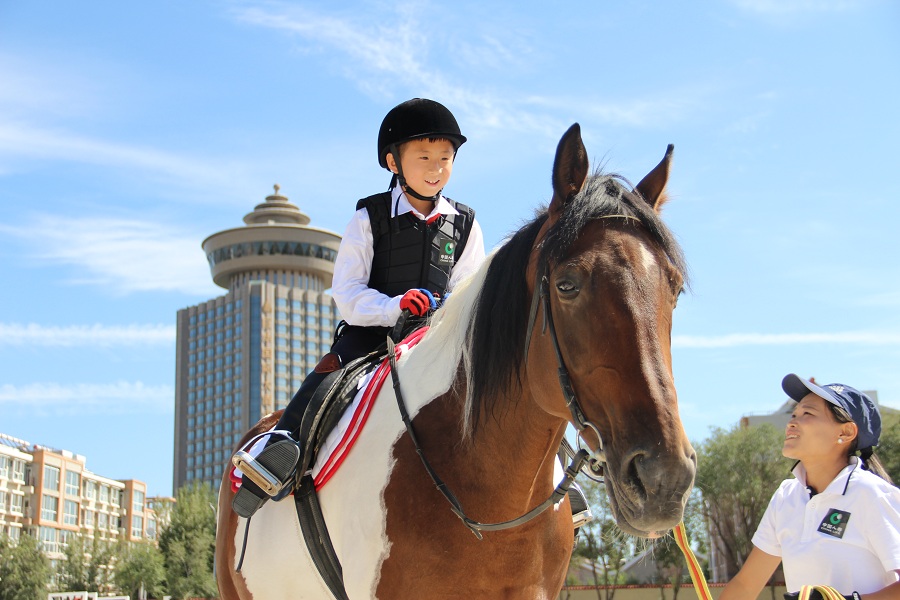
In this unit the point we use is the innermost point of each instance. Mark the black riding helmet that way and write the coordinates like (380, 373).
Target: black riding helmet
(415, 119)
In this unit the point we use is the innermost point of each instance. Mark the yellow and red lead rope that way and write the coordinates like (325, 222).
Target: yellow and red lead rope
(694, 566)
(828, 592)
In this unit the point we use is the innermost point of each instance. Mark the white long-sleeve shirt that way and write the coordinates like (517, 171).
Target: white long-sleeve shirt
(361, 305)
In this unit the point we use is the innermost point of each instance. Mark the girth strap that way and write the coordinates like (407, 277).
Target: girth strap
(318, 540)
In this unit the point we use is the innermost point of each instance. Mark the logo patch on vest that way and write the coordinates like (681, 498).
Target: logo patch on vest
(447, 247)
(834, 523)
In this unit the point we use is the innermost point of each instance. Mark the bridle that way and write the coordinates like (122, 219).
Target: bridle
(583, 459)
(541, 297)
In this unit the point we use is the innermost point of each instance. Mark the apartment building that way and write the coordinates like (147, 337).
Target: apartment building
(50, 494)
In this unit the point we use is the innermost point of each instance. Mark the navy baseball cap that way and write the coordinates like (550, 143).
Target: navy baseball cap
(860, 407)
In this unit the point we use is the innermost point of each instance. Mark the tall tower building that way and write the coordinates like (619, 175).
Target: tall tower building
(243, 355)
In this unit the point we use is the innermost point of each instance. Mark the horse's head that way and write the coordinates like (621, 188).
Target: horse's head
(612, 274)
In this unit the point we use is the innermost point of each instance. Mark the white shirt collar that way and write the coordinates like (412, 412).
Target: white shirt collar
(839, 484)
(400, 205)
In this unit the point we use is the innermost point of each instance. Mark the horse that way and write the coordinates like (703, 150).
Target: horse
(588, 287)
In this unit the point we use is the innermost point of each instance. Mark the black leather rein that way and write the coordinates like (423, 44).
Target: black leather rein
(558, 494)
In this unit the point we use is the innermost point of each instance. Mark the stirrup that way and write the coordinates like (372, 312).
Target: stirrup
(581, 511)
(272, 468)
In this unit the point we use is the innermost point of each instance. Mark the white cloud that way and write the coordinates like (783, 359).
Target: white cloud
(120, 397)
(383, 57)
(124, 255)
(785, 339)
(21, 141)
(32, 334)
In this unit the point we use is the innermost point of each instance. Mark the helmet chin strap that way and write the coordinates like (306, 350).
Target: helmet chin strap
(402, 180)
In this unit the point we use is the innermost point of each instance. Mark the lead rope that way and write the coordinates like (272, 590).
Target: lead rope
(828, 592)
(693, 564)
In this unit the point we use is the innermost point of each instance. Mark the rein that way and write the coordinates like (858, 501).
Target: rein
(474, 526)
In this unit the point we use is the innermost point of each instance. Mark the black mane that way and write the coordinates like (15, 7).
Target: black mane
(495, 341)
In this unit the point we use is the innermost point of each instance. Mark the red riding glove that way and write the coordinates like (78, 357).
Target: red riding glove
(416, 302)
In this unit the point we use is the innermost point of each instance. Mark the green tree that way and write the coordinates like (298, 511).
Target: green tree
(188, 543)
(888, 451)
(601, 546)
(141, 568)
(89, 564)
(24, 570)
(737, 472)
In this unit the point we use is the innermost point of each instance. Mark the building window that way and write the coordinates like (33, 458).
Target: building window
(73, 483)
(70, 513)
(5, 462)
(104, 493)
(87, 518)
(51, 478)
(49, 539)
(49, 508)
(137, 504)
(16, 504)
(137, 526)
(18, 470)
(102, 520)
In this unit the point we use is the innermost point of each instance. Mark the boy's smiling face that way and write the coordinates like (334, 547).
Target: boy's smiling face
(427, 164)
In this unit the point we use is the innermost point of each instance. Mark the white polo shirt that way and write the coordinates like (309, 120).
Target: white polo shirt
(356, 301)
(847, 536)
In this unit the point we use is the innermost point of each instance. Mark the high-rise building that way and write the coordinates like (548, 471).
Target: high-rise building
(242, 356)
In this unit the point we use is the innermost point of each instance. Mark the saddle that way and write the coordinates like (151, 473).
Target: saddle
(329, 402)
(337, 392)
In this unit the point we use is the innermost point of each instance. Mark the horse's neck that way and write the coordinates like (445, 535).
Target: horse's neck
(509, 460)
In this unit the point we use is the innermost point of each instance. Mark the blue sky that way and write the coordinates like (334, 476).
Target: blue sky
(131, 131)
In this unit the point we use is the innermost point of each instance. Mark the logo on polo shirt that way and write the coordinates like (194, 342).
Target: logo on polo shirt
(834, 523)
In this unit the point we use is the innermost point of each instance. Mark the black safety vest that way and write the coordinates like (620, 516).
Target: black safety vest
(408, 253)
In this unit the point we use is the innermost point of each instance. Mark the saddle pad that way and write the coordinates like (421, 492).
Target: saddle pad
(341, 439)
(339, 442)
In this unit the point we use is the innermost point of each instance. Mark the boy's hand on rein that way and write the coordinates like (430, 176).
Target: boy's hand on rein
(416, 302)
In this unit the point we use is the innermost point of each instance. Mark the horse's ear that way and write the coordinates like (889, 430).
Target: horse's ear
(653, 186)
(569, 169)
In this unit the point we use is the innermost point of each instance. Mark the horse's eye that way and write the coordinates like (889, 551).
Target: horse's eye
(566, 287)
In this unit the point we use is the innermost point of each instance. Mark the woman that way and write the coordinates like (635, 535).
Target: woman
(837, 523)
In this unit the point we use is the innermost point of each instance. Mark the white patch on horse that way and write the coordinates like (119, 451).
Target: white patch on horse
(647, 259)
(277, 564)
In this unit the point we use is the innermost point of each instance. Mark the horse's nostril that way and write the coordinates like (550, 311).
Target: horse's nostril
(634, 473)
